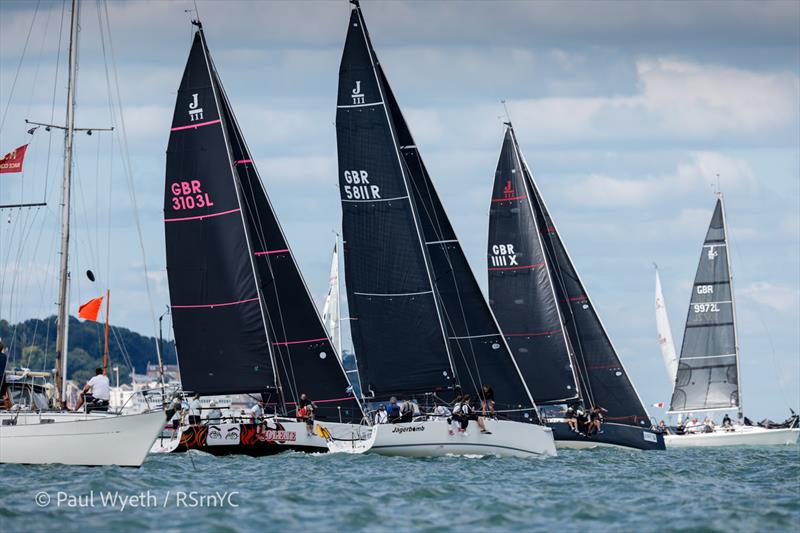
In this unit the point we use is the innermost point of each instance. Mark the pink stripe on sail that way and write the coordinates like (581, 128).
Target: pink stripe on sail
(270, 252)
(495, 200)
(190, 126)
(242, 161)
(326, 401)
(517, 267)
(578, 298)
(211, 306)
(200, 217)
(299, 342)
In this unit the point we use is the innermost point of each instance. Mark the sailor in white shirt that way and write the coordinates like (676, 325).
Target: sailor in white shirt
(194, 410)
(97, 391)
(381, 417)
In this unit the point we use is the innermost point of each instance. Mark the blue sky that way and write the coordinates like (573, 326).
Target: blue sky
(626, 112)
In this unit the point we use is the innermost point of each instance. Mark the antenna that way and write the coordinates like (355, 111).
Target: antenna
(507, 114)
(716, 186)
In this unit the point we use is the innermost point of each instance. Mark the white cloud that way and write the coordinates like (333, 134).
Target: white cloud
(778, 297)
(694, 177)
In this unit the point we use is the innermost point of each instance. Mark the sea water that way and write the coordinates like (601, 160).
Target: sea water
(733, 489)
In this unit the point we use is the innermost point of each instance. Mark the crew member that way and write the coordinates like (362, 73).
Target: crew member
(305, 411)
(194, 410)
(380, 415)
(486, 396)
(393, 411)
(96, 393)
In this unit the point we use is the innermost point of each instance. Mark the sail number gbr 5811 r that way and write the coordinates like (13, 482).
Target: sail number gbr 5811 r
(358, 187)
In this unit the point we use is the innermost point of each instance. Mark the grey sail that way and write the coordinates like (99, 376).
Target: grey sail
(708, 375)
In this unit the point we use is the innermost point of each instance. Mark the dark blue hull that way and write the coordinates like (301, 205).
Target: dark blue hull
(613, 435)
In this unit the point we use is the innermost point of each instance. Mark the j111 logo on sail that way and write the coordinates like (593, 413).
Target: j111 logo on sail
(358, 96)
(195, 112)
(712, 253)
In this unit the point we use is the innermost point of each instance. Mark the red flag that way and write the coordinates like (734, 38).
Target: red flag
(90, 309)
(12, 161)
(659, 404)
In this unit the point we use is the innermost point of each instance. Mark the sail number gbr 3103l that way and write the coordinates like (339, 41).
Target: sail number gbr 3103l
(189, 195)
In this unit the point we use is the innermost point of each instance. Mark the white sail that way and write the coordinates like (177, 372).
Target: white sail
(330, 312)
(665, 334)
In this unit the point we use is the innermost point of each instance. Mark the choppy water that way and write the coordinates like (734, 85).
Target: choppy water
(726, 490)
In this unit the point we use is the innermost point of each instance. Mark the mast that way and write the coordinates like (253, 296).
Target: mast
(740, 411)
(63, 304)
(338, 339)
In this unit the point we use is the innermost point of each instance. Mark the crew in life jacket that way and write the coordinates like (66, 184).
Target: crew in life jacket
(305, 411)
(393, 411)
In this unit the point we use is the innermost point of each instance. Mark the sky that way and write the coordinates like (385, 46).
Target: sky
(626, 112)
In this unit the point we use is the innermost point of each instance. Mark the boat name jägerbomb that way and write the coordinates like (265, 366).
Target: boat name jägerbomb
(401, 429)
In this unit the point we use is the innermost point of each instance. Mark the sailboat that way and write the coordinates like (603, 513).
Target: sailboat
(422, 329)
(548, 319)
(708, 378)
(36, 433)
(665, 341)
(243, 318)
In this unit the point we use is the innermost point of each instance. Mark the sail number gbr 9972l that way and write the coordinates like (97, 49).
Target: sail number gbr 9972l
(358, 187)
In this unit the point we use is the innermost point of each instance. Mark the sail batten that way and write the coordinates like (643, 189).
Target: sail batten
(707, 377)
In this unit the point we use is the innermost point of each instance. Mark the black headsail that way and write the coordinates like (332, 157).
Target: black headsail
(396, 328)
(463, 342)
(477, 347)
(217, 314)
(304, 355)
(708, 371)
(291, 338)
(521, 289)
(602, 379)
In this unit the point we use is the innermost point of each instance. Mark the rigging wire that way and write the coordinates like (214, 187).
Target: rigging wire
(19, 66)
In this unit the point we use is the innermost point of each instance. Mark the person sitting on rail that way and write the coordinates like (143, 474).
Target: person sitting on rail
(571, 416)
(486, 396)
(595, 421)
(727, 423)
(96, 393)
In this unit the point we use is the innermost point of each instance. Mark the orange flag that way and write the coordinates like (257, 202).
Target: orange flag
(90, 309)
(12, 161)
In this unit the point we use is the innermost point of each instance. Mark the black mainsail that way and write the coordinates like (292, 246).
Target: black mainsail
(289, 342)
(708, 369)
(421, 324)
(568, 341)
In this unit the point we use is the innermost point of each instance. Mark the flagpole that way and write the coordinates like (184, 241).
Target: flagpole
(105, 350)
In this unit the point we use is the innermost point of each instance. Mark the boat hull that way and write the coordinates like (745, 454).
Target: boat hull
(432, 438)
(613, 436)
(78, 438)
(740, 436)
(252, 440)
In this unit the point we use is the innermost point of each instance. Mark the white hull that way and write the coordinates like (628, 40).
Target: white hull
(432, 438)
(299, 437)
(96, 439)
(740, 436)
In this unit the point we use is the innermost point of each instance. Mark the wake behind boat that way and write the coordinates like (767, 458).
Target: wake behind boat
(550, 323)
(421, 328)
(708, 377)
(243, 318)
